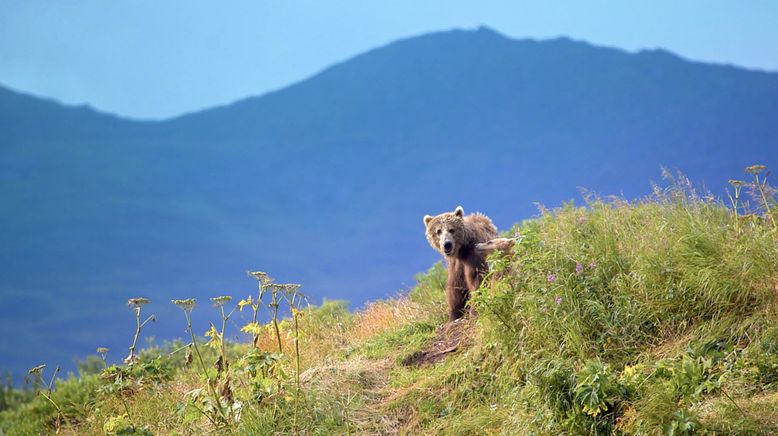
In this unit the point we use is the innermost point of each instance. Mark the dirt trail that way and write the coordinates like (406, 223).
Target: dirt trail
(450, 338)
(375, 416)
(363, 384)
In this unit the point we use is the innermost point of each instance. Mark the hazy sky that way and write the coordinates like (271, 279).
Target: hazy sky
(159, 58)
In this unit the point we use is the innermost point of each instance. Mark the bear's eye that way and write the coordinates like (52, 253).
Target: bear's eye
(451, 230)
(440, 231)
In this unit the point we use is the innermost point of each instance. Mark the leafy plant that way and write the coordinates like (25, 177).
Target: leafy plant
(682, 422)
(691, 378)
(595, 388)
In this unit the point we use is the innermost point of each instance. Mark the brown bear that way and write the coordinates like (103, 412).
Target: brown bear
(464, 243)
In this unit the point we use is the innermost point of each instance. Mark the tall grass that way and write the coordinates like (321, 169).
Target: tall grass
(597, 294)
(612, 279)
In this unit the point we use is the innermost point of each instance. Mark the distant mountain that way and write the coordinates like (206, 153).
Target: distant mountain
(325, 182)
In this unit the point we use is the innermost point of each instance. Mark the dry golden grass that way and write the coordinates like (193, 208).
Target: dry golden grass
(382, 316)
(747, 415)
(320, 344)
(672, 344)
(764, 408)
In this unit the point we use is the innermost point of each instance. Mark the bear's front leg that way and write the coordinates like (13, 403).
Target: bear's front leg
(473, 277)
(456, 290)
(457, 300)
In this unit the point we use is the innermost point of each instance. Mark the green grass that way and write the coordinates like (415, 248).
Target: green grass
(657, 316)
(400, 343)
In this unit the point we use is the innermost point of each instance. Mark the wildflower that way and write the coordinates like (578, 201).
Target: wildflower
(262, 277)
(221, 301)
(517, 234)
(581, 220)
(186, 305)
(137, 302)
(737, 183)
(37, 370)
(592, 265)
(755, 169)
(558, 300)
(551, 278)
(579, 268)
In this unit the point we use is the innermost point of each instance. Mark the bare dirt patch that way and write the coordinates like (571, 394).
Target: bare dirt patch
(451, 337)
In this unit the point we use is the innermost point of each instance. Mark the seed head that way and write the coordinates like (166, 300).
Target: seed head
(755, 169)
(137, 302)
(262, 277)
(186, 305)
(221, 301)
(276, 287)
(737, 183)
(292, 287)
(102, 351)
(37, 370)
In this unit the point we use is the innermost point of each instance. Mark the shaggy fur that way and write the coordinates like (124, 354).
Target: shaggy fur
(455, 236)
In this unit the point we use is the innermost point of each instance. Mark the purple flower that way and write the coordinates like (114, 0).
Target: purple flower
(551, 278)
(578, 267)
(558, 300)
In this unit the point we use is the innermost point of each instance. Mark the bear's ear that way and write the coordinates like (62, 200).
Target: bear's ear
(427, 219)
(459, 211)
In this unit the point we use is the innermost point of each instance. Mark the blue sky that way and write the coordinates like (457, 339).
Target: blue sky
(156, 59)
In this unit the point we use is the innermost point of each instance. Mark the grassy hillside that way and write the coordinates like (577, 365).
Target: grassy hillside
(647, 317)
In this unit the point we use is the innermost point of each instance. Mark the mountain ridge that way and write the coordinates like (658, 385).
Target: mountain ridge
(484, 30)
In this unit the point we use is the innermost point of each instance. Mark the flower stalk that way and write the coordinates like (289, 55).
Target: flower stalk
(187, 306)
(136, 304)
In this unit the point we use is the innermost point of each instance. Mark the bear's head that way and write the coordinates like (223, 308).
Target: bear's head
(446, 232)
